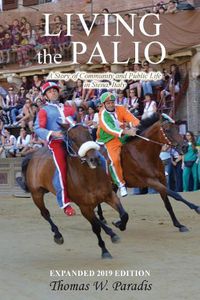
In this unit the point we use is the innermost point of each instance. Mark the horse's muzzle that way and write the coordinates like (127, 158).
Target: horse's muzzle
(93, 162)
(92, 158)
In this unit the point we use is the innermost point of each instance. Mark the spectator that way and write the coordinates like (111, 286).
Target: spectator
(58, 22)
(22, 24)
(40, 102)
(171, 7)
(81, 115)
(190, 163)
(15, 27)
(2, 34)
(127, 17)
(65, 42)
(157, 7)
(149, 85)
(22, 141)
(146, 85)
(150, 106)
(198, 160)
(11, 103)
(2, 124)
(121, 99)
(111, 19)
(133, 102)
(37, 82)
(136, 83)
(78, 93)
(8, 149)
(175, 172)
(89, 96)
(96, 120)
(161, 10)
(90, 117)
(6, 47)
(165, 92)
(26, 84)
(21, 47)
(3, 117)
(17, 110)
(28, 115)
(41, 25)
(2, 102)
(174, 85)
(34, 144)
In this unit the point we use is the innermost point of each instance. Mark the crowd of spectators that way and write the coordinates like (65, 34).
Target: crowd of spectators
(19, 108)
(21, 40)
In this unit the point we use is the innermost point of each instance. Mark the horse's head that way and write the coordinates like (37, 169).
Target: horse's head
(79, 144)
(171, 133)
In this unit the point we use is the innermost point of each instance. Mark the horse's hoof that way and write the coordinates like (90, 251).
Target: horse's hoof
(198, 210)
(117, 223)
(183, 229)
(124, 220)
(121, 224)
(106, 255)
(115, 239)
(59, 240)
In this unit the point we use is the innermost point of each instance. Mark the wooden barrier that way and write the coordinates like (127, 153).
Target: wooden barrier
(9, 168)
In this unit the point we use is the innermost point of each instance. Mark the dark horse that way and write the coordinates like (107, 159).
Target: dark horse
(88, 183)
(142, 166)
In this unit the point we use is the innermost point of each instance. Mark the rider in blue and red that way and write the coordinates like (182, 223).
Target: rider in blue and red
(47, 128)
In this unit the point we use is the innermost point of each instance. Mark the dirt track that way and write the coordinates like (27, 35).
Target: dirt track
(28, 253)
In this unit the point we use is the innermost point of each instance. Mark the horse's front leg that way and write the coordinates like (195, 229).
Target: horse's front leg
(178, 197)
(116, 204)
(114, 237)
(161, 188)
(89, 214)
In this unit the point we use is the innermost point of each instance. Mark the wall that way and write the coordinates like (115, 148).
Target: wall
(9, 167)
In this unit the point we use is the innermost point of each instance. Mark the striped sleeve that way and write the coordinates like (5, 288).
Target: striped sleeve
(128, 117)
(40, 126)
(108, 125)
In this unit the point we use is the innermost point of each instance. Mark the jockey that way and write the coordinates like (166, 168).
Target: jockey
(47, 128)
(111, 123)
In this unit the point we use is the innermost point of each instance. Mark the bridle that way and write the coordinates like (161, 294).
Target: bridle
(168, 142)
(69, 143)
(81, 152)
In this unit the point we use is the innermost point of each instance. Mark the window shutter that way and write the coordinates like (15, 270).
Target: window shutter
(30, 2)
(10, 4)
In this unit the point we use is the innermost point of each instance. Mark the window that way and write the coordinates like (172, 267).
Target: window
(10, 4)
(30, 2)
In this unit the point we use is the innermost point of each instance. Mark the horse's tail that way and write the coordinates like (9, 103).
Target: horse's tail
(22, 179)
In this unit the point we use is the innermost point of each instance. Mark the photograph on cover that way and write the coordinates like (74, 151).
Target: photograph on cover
(99, 149)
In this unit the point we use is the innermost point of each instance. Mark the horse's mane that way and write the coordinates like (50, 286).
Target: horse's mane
(147, 122)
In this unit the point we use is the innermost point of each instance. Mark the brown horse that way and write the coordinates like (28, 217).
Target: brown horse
(88, 183)
(142, 166)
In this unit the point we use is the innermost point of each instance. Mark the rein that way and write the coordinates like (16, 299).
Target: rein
(168, 142)
(68, 143)
(82, 150)
(152, 141)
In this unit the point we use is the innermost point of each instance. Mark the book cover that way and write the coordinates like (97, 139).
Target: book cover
(104, 46)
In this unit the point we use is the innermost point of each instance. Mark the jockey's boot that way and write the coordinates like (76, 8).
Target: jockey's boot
(69, 211)
(123, 191)
(21, 183)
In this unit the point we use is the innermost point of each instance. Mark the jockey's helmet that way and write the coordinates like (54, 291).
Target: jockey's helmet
(107, 96)
(49, 85)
